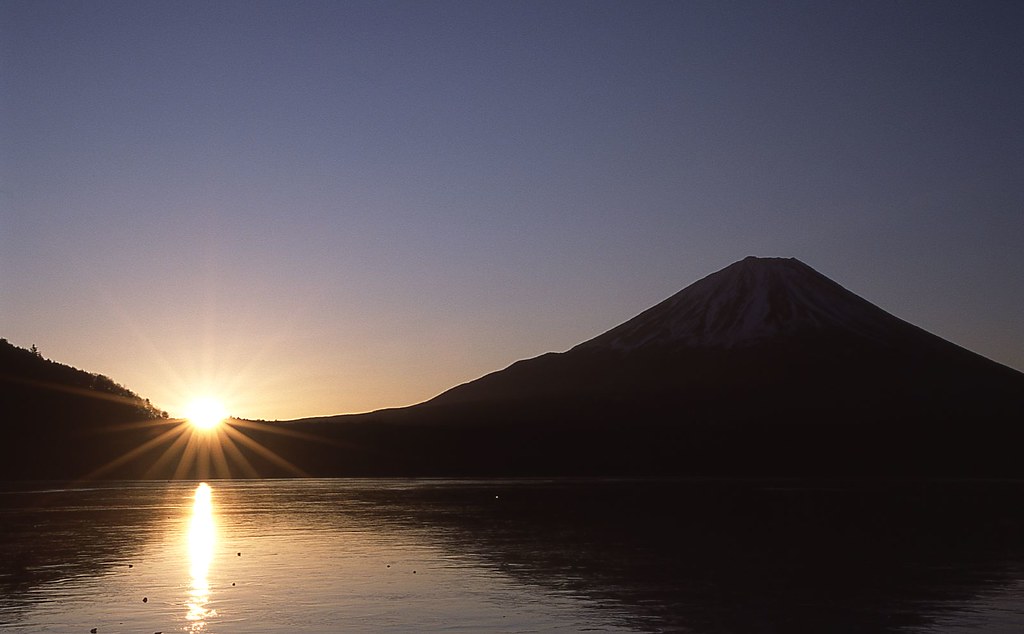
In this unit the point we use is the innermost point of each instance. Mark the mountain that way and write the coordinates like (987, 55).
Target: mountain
(58, 422)
(766, 367)
(757, 323)
(751, 301)
(54, 416)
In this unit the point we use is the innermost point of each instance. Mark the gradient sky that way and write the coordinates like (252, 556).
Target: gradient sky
(322, 207)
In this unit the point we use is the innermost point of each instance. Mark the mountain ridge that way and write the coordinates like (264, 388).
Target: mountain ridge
(755, 303)
(749, 300)
(56, 418)
(764, 368)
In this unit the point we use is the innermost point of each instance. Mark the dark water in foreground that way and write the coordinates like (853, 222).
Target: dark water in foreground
(512, 556)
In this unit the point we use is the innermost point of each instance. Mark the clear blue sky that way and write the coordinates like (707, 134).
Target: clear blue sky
(323, 207)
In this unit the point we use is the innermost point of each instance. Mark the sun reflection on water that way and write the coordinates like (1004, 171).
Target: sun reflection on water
(202, 533)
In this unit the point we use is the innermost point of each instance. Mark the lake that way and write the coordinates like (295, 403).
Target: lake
(423, 555)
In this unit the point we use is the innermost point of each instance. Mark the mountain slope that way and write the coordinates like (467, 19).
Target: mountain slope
(758, 323)
(751, 301)
(763, 368)
(53, 416)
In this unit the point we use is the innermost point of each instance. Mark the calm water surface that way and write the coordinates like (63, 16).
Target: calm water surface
(511, 556)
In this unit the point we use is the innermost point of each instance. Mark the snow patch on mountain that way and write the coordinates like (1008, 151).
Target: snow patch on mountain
(749, 301)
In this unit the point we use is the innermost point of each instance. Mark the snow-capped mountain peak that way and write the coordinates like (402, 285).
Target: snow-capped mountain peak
(749, 301)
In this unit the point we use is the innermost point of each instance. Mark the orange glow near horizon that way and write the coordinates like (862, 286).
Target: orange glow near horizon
(202, 440)
(183, 450)
(206, 413)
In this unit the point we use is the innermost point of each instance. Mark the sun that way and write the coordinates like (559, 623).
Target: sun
(206, 413)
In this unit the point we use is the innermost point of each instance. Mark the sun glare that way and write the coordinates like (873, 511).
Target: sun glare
(206, 413)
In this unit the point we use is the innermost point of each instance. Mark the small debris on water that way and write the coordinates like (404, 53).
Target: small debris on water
(94, 630)
(145, 599)
(232, 583)
(239, 554)
(131, 565)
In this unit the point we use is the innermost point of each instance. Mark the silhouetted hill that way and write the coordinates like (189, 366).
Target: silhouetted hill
(763, 368)
(55, 416)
